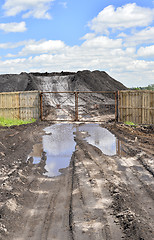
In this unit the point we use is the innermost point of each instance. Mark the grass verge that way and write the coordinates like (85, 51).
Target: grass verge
(130, 123)
(12, 122)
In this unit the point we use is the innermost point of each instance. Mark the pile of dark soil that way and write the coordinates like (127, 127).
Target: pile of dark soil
(16, 82)
(82, 80)
(96, 81)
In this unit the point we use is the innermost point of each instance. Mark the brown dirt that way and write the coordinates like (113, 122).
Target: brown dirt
(97, 196)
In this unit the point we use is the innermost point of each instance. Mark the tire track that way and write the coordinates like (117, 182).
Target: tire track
(98, 223)
(129, 195)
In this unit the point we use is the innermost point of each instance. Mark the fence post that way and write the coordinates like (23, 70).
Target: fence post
(118, 102)
(116, 106)
(19, 105)
(76, 106)
(41, 106)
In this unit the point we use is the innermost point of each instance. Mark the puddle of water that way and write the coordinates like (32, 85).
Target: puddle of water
(86, 116)
(36, 153)
(100, 138)
(58, 144)
(59, 147)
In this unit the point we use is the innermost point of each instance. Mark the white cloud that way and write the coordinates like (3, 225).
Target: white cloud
(121, 64)
(13, 27)
(102, 42)
(146, 51)
(35, 8)
(144, 36)
(124, 17)
(56, 47)
(33, 47)
(16, 44)
(88, 36)
(140, 65)
(122, 35)
(116, 56)
(4, 45)
(64, 4)
(9, 55)
(97, 53)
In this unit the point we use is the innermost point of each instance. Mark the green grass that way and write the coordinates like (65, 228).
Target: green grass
(130, 123)
(12, 122)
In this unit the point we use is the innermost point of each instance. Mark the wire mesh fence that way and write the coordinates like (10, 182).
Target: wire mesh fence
(76, 106)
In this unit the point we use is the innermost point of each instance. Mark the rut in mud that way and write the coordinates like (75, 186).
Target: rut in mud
(104, 192)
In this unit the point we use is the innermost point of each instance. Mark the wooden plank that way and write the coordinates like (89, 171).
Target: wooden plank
(30, 105)
(133, 102)
(152, 112)
(121, 104)
(137, 106)
(133, 106)
(116, 106)
(137, 110)
(124, 110)
(140, 110)
(0, 106)
(150, 103)
(151, 107)
(129, 107)
(6, 105)
(24, 105)
(148, 106)
(145, 104)
(126, 99)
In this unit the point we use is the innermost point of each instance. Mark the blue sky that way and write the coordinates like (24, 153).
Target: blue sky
(70, 35)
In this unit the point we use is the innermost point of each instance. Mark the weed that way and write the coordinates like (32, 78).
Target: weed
(130, 123)
(12, 122)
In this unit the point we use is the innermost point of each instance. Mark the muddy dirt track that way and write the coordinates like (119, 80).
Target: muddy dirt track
(98, 196)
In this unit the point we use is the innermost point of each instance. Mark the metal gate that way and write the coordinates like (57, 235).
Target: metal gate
(78, 106)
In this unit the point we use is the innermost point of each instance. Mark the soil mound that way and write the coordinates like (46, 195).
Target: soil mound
(16, 82)
(81, 81)
(95, 81)
(61, 105)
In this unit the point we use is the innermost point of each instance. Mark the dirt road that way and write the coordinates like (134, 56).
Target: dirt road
(98, 196)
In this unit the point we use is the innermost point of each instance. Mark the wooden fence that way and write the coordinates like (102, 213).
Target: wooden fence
(132, 106)
(20, 105)
(136, 107)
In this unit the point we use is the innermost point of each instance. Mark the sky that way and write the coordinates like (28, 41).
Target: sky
(114, 36)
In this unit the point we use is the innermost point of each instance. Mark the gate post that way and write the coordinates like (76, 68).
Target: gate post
(116, 106)
(76, 106)
(41, 106)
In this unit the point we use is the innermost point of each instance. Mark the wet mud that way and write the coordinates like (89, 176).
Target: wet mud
(76, 181)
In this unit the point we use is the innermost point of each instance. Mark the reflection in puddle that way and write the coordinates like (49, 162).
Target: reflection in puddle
(36, 152)
(59, 147)
(120, 146)
(58, 144)
(100, 138)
